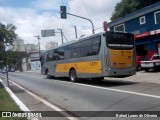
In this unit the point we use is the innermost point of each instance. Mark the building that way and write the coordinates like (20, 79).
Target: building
(18, 45)
(34, 61)
(145, 24)
(30, 48)
(51, 44)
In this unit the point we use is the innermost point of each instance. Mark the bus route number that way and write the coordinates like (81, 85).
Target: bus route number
(93, 63)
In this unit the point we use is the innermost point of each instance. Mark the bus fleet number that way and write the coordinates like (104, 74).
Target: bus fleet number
(93, 63)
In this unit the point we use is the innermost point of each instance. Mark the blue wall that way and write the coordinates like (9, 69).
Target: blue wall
(134, 24)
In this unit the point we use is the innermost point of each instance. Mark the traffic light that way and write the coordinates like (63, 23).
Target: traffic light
(63, 12)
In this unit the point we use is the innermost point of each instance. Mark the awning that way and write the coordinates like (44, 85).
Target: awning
(137, 36)
(142, 42)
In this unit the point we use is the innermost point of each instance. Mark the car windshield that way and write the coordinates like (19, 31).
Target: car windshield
(156, 57)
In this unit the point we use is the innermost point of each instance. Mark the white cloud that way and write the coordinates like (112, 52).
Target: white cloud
(46, 4)
(97, 10)
(30, 22)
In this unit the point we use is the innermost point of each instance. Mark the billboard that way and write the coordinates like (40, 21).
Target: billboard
(47, 33)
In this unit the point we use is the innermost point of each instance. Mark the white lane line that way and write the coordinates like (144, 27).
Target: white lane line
(17, 100)
(46, 102)
(122, 91)
(110, 89)
(29, 76)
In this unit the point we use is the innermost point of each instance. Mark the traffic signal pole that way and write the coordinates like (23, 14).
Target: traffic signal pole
(61, 34)
(63, 12)
(85, 19)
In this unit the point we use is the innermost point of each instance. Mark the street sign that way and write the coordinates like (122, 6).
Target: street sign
(47, 33)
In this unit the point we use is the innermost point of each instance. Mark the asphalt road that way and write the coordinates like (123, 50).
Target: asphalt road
(108, 95)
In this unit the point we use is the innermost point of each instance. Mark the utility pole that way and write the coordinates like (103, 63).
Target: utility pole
(85, 19)
(38, 37)
(75, 31)
(61, 34)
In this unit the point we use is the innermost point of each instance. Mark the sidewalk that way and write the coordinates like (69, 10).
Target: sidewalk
(142, 76)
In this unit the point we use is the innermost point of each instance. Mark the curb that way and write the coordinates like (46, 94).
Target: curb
(22, 106)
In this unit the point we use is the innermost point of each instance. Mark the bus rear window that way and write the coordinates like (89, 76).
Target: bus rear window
(120, 40)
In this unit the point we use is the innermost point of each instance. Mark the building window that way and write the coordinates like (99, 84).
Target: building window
(142, 20)
(119, 28)
(157, 17)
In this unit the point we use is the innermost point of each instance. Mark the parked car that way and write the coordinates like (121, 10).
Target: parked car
(153, 63)
(4, 71)
(138, 62)
(12, 70)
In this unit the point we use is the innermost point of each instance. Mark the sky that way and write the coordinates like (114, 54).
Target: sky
(32, 16)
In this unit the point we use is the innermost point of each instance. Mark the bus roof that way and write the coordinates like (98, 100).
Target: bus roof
(75, 41)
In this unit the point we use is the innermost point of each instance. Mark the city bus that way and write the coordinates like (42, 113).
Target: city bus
(106, 54)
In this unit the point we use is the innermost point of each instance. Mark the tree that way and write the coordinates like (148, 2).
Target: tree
(126, 7)
(7, 36)
(7, 33)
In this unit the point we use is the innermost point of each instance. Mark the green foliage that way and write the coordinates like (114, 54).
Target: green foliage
(7, 33)
(8, 104)
(7, 36)
(126, 7)
(12, 57)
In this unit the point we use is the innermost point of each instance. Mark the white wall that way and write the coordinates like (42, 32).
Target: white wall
(36, 65)
(24, 64)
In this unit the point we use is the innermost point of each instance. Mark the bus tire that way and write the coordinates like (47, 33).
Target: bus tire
(46, 73)
(73, 75)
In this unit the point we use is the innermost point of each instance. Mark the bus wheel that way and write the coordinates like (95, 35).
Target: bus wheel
(46, 73)
(73, 75)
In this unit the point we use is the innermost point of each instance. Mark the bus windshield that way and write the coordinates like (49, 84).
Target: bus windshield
(120, 40)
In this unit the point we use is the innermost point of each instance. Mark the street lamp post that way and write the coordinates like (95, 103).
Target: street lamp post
(38, 37)
(61, 34)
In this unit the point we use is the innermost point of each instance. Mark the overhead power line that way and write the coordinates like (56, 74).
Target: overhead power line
(86, 10)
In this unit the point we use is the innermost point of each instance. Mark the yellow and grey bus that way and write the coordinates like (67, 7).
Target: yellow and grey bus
(110, 54)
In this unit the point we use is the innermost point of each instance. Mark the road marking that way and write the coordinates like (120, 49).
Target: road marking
(29, 76)
(110, 89)
(54, 107)
(122, 91)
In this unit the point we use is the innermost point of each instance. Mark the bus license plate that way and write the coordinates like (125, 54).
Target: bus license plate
(122, 64)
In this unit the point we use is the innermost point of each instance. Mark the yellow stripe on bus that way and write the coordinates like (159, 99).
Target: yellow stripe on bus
(81, 67)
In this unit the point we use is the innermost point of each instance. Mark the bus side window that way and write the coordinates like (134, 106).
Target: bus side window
(47, 56)
(61, 53)
(76, 50)
(96, 45)
(86, 47)
(56, 57)
(42, 60)
(50, 55)
(68, 52)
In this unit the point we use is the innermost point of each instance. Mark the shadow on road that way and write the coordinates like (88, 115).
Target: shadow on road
(15, 90)
(153, 71)
(104, 83)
